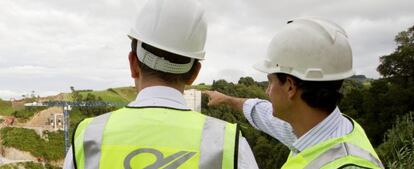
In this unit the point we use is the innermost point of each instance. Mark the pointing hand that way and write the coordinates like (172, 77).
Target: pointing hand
(215, 98)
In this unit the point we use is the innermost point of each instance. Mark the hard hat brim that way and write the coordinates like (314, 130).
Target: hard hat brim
(268, 68)
(262, 67)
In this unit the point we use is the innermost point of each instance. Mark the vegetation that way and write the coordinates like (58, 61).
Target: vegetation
(27, 112)
(51, 146)
(121, 95)
(5, 108)
(397, 151)
(28, 165)
(90, 110)
(200, 86)
(127, 93)
(378, 106)
(23, 139)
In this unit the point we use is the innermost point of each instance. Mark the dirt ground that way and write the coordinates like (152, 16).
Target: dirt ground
(41, 118)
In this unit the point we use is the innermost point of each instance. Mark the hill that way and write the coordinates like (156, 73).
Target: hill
(5, 108)
(121, 95)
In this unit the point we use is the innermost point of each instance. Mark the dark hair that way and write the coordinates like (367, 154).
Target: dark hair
(323, 95)
(173, 58)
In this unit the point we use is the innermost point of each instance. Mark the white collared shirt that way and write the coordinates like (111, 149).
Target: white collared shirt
(259, 114)
(162, 96)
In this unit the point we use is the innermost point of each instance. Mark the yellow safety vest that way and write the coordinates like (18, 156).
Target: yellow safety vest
(153, 138)
(351, 149)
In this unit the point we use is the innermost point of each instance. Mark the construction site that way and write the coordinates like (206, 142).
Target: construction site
(47, 120)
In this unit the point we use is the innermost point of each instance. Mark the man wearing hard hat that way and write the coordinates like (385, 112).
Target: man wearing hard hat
(306, 64)
(158, 130)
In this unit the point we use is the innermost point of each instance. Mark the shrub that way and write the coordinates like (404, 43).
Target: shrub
(397, 151)
(27, 112)
(27, 140)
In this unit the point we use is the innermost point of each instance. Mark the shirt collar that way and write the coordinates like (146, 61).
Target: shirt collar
(320, 132)
(160, 96)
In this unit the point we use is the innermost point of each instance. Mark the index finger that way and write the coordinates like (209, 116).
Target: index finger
(207, 92)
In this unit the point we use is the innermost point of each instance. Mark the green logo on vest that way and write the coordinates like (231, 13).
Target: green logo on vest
(179, 158)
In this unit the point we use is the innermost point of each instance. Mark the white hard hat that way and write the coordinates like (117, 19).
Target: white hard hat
(310, 49)
(176, 26)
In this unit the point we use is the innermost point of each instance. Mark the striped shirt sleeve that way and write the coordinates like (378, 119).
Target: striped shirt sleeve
(259, 114)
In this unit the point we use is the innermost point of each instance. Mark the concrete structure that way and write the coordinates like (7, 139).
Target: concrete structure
(193, 99)
(56, 121)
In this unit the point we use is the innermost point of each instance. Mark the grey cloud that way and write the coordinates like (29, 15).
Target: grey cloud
(49, 45)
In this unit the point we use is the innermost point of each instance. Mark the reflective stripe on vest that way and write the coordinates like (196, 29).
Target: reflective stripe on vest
(352, 148)
(211, 151)
(92, 140)
(212, 141)
(339, 151)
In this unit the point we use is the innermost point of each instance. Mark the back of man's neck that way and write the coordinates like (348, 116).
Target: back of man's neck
(307, 118)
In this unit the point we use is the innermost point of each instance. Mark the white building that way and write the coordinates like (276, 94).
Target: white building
(193, 99)
(34, 104)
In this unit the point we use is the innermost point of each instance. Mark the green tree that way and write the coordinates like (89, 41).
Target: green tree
(248, 81)
(76, 96)
(398, 66)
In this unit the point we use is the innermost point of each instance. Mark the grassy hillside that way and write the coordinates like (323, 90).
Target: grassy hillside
(27, 113)
(5, 108)
(128, 93)
(28, 165)
(27, 140)
(117, 95)
(200, 86)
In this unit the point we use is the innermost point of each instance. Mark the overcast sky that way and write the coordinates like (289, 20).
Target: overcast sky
(49, 45)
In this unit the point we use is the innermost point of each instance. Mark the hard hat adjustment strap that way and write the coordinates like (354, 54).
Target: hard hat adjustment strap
(161, 64)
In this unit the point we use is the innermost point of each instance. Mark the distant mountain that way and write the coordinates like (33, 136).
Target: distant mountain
(360, 78)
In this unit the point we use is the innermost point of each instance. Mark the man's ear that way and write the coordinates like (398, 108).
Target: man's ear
(291, 87)
(194, 74)
(133, 65)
